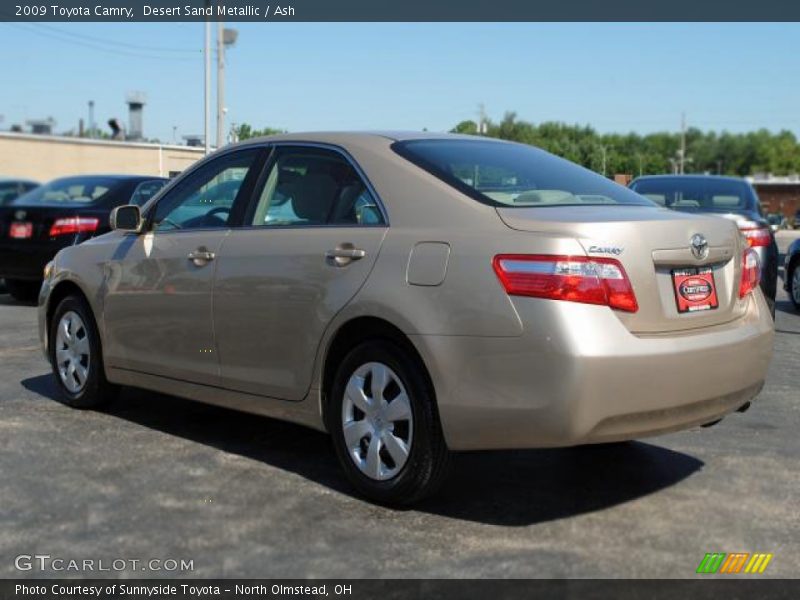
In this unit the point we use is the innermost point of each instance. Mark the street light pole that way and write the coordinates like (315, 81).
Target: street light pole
(207, 94)
(220, 84)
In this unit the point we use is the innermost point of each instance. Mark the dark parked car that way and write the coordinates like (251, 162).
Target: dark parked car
(729, 197)
(10, 189)
(61, 213)
(791, 273)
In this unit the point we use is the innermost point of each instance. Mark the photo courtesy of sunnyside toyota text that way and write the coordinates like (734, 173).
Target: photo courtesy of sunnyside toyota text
(412, 300)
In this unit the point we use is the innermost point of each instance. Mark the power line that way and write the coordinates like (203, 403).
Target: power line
(94, 46)
(113, 42)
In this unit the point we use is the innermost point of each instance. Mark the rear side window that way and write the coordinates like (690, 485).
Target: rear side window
(708, 194)
(515, 175)
(311, 187)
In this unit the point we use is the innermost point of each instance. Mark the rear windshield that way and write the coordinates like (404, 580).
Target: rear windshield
(516, 175)
(706, 195)
(70, 190)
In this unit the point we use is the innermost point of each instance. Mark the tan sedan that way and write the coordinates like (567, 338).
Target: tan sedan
(413, 295)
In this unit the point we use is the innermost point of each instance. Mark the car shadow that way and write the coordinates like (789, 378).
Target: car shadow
(507, 488)
(786, 306)
(9, 300)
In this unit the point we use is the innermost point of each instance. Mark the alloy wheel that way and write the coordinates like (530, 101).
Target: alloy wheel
(377, 421)
(72, 352)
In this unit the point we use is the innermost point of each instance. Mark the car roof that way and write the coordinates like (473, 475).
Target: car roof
(695, 176)
(17, 180)
(112, 176)
(345, 137)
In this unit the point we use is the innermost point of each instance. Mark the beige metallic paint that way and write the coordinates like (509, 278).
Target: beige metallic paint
(508, 372)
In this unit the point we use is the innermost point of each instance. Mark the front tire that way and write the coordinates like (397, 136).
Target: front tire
(385, 425)
(22, 290)
(76, 356)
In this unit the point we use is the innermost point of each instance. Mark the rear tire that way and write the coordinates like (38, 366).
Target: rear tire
(793, 277)
(22, 290)
(394, 451)
(76, 356)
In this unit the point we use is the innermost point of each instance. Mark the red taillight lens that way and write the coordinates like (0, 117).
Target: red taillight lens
(751, 272)
(756, 236)
(572, 278)
(72, 225)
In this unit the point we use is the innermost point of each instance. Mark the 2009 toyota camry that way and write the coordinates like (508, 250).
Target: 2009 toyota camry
(413, 295)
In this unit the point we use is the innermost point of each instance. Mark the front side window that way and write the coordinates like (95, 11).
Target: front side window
(204, 200)
(310, 186)
(513, 175)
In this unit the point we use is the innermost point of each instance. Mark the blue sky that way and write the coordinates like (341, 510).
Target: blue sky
(308, 76)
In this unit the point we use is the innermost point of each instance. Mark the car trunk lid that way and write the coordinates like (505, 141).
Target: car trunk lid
(651, 244)
(33, 223)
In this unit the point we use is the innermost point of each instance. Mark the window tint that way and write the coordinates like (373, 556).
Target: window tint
(146, 190)
(205, 198)
(516, 175)
(694, 193)
(71, 190)
(9, 190)
(309, 186)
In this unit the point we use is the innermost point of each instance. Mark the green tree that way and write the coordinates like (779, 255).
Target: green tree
(245, 131)
(706, 151)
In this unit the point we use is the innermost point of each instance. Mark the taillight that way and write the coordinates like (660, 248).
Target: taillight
(755, 234)
(72, 225)
(572, 278)
(751, 272)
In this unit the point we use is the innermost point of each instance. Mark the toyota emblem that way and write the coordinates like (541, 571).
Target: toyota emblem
(19, 215)
(699, 246)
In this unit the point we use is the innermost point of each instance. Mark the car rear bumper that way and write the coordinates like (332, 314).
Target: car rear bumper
(27, 260)
(579, 376)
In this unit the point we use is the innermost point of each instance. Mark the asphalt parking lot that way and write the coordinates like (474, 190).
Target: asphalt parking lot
(158, 477)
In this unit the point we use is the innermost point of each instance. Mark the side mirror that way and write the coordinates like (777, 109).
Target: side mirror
(126, 218)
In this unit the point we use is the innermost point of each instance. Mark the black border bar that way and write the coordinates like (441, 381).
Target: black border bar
(401, 10)
(747, 587)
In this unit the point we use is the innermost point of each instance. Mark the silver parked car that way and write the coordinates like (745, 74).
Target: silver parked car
(413, 295)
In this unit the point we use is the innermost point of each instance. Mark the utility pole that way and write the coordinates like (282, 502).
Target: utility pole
(220, 84)
(207, 92)
(225, 38)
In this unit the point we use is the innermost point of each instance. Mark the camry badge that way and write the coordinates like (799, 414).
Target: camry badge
(605, 249)
(699, 246)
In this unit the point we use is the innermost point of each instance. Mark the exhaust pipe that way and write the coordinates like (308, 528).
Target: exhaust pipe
(744, 407)
(710, 423)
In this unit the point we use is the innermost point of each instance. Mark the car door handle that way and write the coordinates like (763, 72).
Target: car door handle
(345, 254)
(201, 257)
